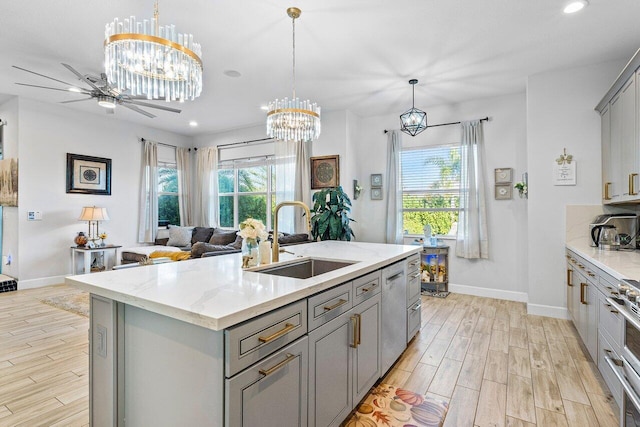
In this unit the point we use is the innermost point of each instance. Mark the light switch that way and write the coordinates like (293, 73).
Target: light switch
(34, 215)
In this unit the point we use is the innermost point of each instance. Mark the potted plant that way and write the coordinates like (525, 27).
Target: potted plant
(330, 215)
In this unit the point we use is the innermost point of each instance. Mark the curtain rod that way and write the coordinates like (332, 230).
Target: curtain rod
(160, 143)
(485, 119)
(244, 142)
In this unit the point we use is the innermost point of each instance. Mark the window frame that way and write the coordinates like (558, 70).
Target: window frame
(269, 193)
(424, 191)
(174, 166)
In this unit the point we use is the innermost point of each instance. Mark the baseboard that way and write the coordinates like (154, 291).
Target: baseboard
(40, 282)
(489, 293)
(548, 311)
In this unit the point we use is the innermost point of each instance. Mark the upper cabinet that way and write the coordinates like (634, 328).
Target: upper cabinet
(620, 115)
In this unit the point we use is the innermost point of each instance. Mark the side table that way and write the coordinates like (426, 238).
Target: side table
(434, 270)
(87, 256)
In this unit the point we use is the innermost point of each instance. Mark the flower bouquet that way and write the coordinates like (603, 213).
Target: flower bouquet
(252, 231)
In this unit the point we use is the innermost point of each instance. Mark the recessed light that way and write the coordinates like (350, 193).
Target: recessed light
(232, 73)
(75, 89)
(264, 108)
(575, 6)
(193, 123)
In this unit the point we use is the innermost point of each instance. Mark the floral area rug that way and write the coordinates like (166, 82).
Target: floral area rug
(75, 303)
(390, 406)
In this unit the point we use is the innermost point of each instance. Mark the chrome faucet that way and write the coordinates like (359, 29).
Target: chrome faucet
(275, 257)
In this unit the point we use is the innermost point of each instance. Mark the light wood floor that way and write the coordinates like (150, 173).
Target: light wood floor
(496, 365)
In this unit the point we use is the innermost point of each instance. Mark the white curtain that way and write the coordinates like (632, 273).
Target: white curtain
(183, 160)
(292, 183)
(472, 240)
(394, 188)
(148, 201)
(206, 188)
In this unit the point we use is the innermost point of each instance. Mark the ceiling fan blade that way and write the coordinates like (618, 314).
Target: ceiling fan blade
(83, 78)
(42, 75)
(75, 100)
(138, 110)
(53, 88)
(148, 104)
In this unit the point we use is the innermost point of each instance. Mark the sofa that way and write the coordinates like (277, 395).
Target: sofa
(199, 242)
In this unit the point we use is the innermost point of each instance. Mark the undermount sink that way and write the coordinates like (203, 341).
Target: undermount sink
(306, 268)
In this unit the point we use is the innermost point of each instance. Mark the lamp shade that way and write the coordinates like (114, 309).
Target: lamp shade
(92, 213)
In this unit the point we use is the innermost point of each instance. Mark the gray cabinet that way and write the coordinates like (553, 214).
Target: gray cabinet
(414, 301)
(272, 393)
(582, 300)
(366, 357)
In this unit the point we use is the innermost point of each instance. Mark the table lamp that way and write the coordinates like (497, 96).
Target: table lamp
(94, 215)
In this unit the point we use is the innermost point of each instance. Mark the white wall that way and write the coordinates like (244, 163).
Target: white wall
(560, 114)
(47, 133)
(504, 274)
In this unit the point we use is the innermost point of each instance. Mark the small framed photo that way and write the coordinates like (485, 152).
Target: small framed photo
(325, 172)
(376, 194)
(88, 175)
(503, 191)
(376, 180)
(503, 175)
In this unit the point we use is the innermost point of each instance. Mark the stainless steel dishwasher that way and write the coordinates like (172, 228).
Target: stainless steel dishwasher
(394, 314)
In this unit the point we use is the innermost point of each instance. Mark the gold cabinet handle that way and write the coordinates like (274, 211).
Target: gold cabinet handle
(606, 191)
(611, 310)
(356, 330)
(632, 190)
(591, 274)
(288, 327)
(373, 286)
(581, 266)
(336, 305)
(271, 370)
(569, 277)
(582, 286)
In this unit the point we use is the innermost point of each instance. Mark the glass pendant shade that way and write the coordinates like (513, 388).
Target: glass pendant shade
(293, 119)
(151, 60)
(413, 121)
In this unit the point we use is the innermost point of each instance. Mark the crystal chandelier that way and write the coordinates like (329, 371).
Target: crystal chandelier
(152, 60)
(293, 119)
(413, 121)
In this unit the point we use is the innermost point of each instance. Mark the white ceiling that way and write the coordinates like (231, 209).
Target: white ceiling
(355, 54)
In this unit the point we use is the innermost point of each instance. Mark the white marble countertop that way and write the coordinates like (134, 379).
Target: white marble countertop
(619, 264)
(215, 292)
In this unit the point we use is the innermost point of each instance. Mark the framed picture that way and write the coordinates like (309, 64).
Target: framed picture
(88, 175)
(376, 180)
(325, 172)
(564, 174)
(503, 175)
(503, 191)
(376, 194)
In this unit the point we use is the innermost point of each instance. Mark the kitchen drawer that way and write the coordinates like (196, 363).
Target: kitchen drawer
(608, 284)
(413, 287)
(611, 322)
(366, 286)
(414, 319)
(330, 304)
(413, 263)
(249, 342)
(606, 350)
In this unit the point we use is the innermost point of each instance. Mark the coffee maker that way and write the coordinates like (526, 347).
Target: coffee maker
(625, 224)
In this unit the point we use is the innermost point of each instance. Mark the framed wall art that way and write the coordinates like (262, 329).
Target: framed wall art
(376, 194)
(503, 192)
(325, 172)
(376, 180)
(88, 175)
(503, 175)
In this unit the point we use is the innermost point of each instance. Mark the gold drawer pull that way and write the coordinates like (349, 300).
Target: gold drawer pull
(582, 286)
(606, 191)
(591, 274)
(373, 286)
(632, 190)
(336, 305)
(267, 372)
(569, 277)
(581, 266)
(288, 327)
(356, 330)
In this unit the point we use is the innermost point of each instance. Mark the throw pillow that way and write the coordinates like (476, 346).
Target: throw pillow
(293, 238)
(223, 237)
(179, 236)
(201, 234)
(237, 244)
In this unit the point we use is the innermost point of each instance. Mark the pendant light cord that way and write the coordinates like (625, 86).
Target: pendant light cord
(293, 20)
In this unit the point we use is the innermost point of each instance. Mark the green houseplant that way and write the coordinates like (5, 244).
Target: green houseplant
(330, 215)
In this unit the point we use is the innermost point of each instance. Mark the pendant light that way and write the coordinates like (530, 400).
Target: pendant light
(413, 121)
(293, 119)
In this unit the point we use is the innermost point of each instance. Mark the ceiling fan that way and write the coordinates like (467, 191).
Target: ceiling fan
(107, 96)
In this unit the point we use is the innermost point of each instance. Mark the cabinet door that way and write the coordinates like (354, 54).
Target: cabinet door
(592, 319)
(330, 371)
(272, 392)
(607, 168)
(366, 358)
(616, 111)
(629, 150)
(569, 282)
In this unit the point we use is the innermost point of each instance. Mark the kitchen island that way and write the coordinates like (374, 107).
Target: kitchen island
(175, 344)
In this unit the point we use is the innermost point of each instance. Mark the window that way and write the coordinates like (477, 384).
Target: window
(430, 189)
(246, 188)
(168, 205)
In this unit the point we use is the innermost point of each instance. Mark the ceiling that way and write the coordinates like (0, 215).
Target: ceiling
(356, 55)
